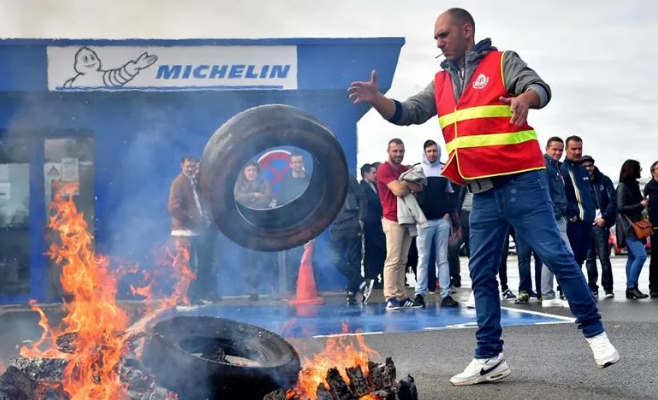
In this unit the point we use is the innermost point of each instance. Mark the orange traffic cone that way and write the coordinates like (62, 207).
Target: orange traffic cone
(307, 292)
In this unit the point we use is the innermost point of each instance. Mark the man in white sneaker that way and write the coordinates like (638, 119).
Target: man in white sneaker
(482, 98)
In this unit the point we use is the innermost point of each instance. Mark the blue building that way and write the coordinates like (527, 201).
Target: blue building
(118, 115)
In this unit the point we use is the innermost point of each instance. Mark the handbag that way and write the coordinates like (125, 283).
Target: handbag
(642, 229)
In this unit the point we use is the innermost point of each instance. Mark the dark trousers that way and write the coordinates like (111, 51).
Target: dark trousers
(453, 249)
(580, 238)
(374, 245)
(525, 254)
(346, 248)
(502, 269)
(260, 267)
(599, 246)
(202, 262)
(653, 266)
(293, 259)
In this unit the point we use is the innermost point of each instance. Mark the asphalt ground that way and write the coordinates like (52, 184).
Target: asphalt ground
(547, 361)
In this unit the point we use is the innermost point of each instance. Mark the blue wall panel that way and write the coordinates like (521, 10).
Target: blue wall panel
(140, 137)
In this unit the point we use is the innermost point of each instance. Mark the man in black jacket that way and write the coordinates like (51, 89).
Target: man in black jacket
(579, 197)
(651, 194)
(374, 240)
(346, 236)
(605, 201)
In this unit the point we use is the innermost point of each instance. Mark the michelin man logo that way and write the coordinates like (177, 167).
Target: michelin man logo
(90, 72)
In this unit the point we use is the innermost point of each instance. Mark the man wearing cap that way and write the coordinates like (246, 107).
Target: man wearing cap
(605, 201)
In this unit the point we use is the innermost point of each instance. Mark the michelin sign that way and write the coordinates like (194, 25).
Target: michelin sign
(116, 68)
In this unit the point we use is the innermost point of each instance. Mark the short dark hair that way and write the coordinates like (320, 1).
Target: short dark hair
(296, 154)
(365, 168)
(554, 139)
(573, 138)
(630, 170)
(394, 141)
(376, 164)
(188, 157)
(429, 143)
(461, 17)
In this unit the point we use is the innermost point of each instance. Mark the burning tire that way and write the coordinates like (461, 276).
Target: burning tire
(250, 133)
(214, 358)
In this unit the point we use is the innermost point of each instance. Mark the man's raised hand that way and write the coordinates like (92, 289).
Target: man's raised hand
(364, 91)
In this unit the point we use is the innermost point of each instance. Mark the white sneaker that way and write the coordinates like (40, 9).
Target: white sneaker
(556, 302)
(605, 353)
(483, 370)
(470, 303)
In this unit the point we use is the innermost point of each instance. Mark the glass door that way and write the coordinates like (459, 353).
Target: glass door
(68, 159)
(15, 200)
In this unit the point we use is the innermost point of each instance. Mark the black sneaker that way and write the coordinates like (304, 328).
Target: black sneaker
(609, 294)
(448, 301)
(654, 294)
(595, 293)
(419, 302)
(407, 303)
(351, 299)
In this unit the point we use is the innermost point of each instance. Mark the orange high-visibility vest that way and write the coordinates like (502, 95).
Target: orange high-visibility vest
(480, 140)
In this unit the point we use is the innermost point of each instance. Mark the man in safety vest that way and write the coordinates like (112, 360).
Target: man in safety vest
(482, 98)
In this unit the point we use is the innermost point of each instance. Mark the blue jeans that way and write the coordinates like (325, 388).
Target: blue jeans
(637, 255)
(523, 203)
(439, 232)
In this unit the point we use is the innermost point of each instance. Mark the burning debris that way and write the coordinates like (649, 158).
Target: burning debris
(378, 384)
(42, 378)
(95, 354)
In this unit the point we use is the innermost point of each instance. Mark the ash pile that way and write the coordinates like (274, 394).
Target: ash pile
(379, 383)
(41, 378)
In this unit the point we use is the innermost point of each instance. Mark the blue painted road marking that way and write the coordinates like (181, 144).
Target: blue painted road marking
(330, 319)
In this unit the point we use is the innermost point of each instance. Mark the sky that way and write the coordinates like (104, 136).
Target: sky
(598, 57)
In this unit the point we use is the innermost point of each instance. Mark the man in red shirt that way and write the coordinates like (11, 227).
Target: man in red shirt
(398, 239)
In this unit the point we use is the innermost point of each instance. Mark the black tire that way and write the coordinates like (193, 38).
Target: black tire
(172, 350)
(248, 134)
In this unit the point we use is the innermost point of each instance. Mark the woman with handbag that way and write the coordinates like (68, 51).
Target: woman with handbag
(631, 227)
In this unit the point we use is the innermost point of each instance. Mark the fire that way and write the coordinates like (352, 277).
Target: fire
(341, 352)
(99, 325)
(93, 315)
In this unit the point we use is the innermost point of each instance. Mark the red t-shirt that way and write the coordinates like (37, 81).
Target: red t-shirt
(386, 173)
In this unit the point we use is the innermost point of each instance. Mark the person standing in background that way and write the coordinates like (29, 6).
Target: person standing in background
(374, 241)
(651, 194)
(252, 191)
(630, 205)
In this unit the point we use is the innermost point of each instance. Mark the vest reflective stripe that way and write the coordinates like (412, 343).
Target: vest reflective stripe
(495, 139)
(473, 113)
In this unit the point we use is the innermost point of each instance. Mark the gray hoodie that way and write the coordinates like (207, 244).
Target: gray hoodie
(519, 78)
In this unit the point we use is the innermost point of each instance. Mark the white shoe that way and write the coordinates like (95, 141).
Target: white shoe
(470, 303)
(556, 302)
(605, 353)
(483, 370)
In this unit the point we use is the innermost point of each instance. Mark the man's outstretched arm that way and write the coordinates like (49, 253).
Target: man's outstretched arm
(415, 110)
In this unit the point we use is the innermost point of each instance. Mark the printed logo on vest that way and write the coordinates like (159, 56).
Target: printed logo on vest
(480, 82)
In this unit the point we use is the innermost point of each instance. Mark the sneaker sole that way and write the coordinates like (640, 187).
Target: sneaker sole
(607, 363)
(493, 377)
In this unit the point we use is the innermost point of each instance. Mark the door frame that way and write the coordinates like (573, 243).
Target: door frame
(38, 223)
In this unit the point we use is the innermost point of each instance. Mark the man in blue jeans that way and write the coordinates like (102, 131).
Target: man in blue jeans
(441, 213)
(508, 88)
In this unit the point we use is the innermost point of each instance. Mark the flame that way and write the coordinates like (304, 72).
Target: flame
(93, 314)
(99, 325)
(340, 352)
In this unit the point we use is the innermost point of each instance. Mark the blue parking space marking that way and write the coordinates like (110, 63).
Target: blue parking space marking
(336, 320)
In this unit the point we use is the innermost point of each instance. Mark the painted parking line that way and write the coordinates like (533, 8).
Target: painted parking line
(333, 320)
